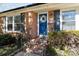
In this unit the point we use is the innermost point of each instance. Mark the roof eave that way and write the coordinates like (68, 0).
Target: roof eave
(31, 5)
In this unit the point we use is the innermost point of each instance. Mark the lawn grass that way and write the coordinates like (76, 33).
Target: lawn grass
(6, 50)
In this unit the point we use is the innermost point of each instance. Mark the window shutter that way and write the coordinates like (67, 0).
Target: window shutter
(57, 20)
(22, 21)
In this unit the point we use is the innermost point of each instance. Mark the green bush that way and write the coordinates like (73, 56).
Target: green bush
(6, 39)
(50, 51)
(61, 39)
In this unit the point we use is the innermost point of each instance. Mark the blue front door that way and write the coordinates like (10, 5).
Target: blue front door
(43, 24)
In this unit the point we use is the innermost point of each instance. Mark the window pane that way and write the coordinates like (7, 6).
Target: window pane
(68, 25)
(17, 19)
(10, 20)
(19, 27)
(9, 27)
(22, 28)
(68, 15)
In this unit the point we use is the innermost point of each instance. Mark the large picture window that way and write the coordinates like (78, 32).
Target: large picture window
(14, 23)
(68, 20)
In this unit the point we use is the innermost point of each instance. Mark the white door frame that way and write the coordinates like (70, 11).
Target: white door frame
(38, 22)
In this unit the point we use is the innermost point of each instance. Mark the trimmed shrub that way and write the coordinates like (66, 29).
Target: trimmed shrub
(6, 39)
(62, 39)
(50, 51)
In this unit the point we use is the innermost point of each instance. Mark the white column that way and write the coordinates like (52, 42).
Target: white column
(6, 24)
(60, 19)
(13, 29)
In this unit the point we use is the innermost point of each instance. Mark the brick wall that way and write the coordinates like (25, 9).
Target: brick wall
(31, 23)
(1, 24)
(50, 21)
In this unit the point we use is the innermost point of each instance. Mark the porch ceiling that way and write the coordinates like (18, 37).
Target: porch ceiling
(40, 8)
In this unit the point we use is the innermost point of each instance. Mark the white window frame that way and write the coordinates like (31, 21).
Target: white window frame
(13, 24)
(61, 19)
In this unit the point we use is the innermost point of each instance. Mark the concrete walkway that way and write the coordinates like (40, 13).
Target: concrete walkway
(25, 54)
